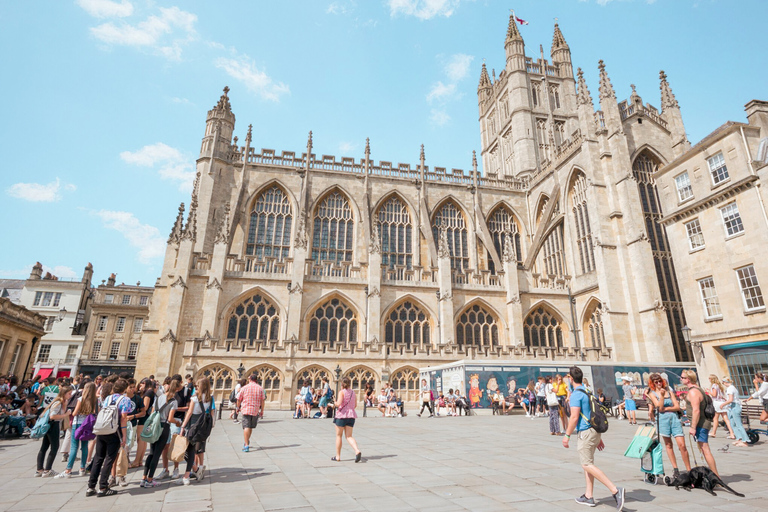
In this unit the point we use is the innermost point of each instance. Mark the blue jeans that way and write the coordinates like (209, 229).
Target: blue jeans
(73, 451)
(734, 414)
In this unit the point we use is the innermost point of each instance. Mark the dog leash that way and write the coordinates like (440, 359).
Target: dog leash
(692, 450)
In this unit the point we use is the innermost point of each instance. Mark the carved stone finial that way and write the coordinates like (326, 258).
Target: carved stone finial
(474, 160)
(178, 226)
(668, 99)
(300, 241)
(485, 80)
(558, 41)
(421, 155)
(513, 33)
(223, 104)
(249, 136)
(226, 90)
(367, 147)
(606, 88)
(309, 143)
(584, 97)
(443, 250)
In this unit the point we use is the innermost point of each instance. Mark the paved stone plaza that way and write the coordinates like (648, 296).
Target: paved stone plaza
(478, 463)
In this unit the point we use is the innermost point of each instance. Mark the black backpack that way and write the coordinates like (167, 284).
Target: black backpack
(232, 396)
(709, 407)
(597, 418)
(201, 430)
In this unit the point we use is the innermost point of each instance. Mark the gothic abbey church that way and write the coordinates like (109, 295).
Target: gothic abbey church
(294, 265)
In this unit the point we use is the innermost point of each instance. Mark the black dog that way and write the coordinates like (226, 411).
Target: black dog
(699, 477)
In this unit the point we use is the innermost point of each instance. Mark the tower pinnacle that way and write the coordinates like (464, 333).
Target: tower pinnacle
(485, 80)
(668, 99)
(606, 88)
(513, 34)
(558, 41)
(584, 97)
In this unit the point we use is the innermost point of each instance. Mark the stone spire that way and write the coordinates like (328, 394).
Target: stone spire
(178, 226)
(513, 34)
(558, 41)
(190, 230)
(635, 98)
(249, 135)
(584, 97)
(222, 236)
(485, 80)
(668, 99)
(606, 88)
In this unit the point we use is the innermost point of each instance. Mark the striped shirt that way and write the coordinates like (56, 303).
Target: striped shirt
(251, 397)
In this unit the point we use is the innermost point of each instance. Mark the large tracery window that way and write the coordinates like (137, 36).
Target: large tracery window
(595, 327)
(405, 382)
(270, 378)
(333, 231)
(542, 329)
(313, 374)
(502, 221)
(269, 233)
(553, 254)
(360, 376)
(395, 234)
(407, 325)
(221, 379)
(581, 221)
(642, 169)
(449, 217)
(478, 327)
(254, 319)
(334, 322)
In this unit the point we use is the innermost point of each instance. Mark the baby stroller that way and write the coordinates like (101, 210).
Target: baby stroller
(647, 446)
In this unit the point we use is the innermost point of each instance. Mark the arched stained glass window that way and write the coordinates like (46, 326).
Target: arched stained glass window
(450, 218)
(220, 377)
(581, 222)
(501, 221)
(542, 329)
(595, 327)
(254, 319)
(478, 327)
(334, 322)
(407, 326)
(395, 233)
(270, 378)
(360, 376)
(333, 230)
(405, 381)
(269, 232)
(313, 374)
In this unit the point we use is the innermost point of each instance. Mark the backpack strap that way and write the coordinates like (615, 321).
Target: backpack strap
(589, 396)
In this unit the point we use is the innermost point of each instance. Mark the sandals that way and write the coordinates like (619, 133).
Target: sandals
(334, 459)
(359, 456)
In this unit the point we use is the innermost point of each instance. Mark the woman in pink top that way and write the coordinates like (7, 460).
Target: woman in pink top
(344, 419)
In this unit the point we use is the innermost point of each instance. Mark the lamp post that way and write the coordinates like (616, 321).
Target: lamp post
(687, 338)
(337, 371)
(240, 370)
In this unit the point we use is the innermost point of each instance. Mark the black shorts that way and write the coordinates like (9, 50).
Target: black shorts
(249, 421)
(344, 422)
(541, 401)
(765, 405)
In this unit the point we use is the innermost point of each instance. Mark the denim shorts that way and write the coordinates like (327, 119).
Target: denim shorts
(702, 435)
(670, 425)
(630, 405)
(174, 430)
(344, 422)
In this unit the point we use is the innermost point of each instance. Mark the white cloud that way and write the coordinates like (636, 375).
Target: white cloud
(153, 33)
(106, 8)
(439, 117)
(254, 79)
(423, 9)
(441, 92)
(347, 147)
(39, 193)
(183, 101)
(146, 238)
(173, 165)
(341, 7)
(457, 67)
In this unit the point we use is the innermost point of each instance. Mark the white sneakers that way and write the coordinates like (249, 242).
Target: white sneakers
(163, 474)
(63, 474)
(200, 472)
(175, 474)
(185, 481)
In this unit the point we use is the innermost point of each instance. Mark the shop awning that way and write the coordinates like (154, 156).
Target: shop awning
(63, 373)
(44, 373)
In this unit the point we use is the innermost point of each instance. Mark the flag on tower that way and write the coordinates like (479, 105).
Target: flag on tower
(522, 22)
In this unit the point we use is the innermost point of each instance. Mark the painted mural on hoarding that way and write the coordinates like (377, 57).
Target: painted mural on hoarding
(482, 381)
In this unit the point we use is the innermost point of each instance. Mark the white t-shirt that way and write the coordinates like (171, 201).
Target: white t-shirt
(197, 408)
(731, 390)
(383, 399)
(541, 389)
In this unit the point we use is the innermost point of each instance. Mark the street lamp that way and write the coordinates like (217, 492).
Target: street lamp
(686, 334)
(240, 370)
(337, 371)
(62, 314)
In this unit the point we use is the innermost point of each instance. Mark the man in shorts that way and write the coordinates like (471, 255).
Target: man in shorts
(700, 425)
(589, 441)
(250, 402)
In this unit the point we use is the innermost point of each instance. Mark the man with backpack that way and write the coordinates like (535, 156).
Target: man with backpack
(700, 410)
(586, 420)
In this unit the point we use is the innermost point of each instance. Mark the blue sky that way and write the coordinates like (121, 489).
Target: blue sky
(105, 101)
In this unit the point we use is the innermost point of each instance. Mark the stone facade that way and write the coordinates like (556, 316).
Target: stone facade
(66, 305)
(715, 200)
(113, 338)
(19, 330)
(299, 264)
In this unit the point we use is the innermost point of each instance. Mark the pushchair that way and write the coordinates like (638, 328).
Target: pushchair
(647, 446)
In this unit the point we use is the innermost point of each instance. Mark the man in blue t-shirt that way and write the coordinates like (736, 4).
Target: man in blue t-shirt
(589, 440)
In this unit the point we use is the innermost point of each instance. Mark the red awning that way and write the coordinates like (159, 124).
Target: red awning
(63, 373)
(44, 373)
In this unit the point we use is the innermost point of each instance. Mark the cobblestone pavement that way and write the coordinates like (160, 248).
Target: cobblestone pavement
(481, 463)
